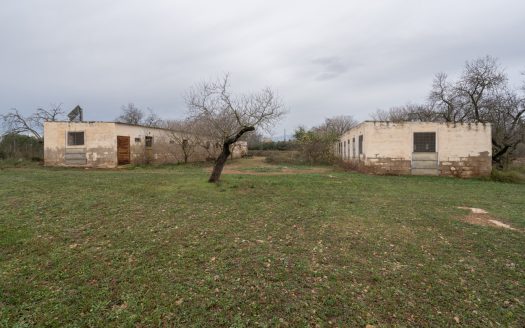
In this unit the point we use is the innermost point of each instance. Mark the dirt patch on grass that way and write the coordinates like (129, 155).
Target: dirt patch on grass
(481, 217)
(258, 166)
(279, 172)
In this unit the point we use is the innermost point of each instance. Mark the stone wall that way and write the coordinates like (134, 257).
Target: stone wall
(465, 167)
(388, 166)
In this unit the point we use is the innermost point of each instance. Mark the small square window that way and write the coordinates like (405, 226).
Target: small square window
(172, 141)
(149, 141)
(75, 138)
(137, 140)
(424, 142)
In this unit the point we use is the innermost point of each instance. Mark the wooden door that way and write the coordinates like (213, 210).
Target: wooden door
(123, 150)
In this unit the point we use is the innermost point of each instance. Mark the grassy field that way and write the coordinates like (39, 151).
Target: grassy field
(162, 247)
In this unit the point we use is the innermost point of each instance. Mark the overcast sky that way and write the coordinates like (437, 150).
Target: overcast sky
(324, 58)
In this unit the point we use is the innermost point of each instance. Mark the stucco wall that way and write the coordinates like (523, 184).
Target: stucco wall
(462, 149)
(100, 144)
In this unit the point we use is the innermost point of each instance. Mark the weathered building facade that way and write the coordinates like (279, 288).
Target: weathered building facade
(419, 148)
(109, 144)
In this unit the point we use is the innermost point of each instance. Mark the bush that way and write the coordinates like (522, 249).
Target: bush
(17, 163)
(511, 175)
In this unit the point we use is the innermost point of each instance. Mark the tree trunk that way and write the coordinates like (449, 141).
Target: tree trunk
(219, 163)
(223, 157)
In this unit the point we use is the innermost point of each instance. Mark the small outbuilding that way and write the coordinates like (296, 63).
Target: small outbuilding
(109, 144)
(418, 148)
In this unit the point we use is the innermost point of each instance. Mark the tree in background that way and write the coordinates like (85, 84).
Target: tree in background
(317, 144)
(409, 112)
(136, 116)
(337, 125)
(16, 123)
(230, 116)
(20, 146)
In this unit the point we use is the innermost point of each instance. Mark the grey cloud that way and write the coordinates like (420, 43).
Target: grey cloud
(348, 57)
(330, 67)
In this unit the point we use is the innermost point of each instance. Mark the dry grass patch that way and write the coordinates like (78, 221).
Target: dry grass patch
(481, 217)
(258, 166)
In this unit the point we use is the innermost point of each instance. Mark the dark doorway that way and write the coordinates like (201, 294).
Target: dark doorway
(123, 150)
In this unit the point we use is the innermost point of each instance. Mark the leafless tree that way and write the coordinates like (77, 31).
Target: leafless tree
(131, 114)
(337, 125)
(151, 119)
(480, 82)
(407, 113)
(15, 122)
(231, 116)
(507, 115)
(446, 101)
(185, 134)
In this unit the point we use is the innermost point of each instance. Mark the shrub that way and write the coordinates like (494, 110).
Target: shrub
(508, 176)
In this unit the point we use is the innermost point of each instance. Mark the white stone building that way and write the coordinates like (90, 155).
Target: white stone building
(418, 148)
(109, 144)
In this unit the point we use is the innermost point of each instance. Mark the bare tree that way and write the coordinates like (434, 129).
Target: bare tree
(16, 123)
(337, 125)
(152, 119)
(230, 116)
(446, 101)
(131, 114)
(184, 133)
(407, 113)
(481, 80)
(507, 115)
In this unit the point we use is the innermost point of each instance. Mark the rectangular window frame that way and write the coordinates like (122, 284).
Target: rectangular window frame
(148, 141)
(73, 139)
(360, 144)
(424, 142)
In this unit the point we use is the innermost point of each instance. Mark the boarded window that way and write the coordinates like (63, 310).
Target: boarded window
(75, 138)
(149, 141)
(360, 144)
(424, 142)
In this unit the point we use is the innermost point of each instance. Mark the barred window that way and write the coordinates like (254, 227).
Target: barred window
(75, 138)
(149, 141)
(424, 142)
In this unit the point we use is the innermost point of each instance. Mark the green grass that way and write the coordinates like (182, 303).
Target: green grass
(162, 247)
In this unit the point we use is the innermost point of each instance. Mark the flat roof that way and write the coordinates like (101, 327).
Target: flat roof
(112, 122)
